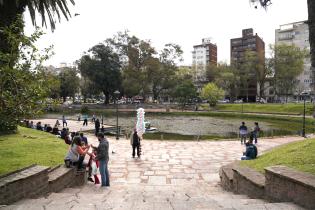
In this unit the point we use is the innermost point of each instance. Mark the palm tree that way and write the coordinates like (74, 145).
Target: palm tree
(10, 10)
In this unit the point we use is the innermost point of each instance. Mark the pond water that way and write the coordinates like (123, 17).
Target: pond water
(194, 125)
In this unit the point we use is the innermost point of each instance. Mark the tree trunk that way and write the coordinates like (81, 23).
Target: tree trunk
(106, 97)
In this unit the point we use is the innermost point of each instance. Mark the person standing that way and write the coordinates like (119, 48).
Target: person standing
(243, 132)
(135, 143)
(64, 121)
(103, 158)
(256, 132)
(93, 118)
(97, 126)
(79, 117)
(85, 120)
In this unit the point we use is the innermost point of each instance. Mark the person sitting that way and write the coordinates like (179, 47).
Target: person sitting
(39, 126)
(57, 123)
(48, 128)
(65, 136)
(76, 153)
(251, 150)
(84, 139)
(55, 130)
(31, 125)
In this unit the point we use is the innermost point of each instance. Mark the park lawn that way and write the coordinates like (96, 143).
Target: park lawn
(297, 155)
(289, 108)
(29, 146)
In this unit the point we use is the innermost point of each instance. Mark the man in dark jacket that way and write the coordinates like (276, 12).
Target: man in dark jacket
(103, 158)
(97, 126)
(135, 143)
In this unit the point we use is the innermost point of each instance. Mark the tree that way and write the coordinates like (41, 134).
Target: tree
(23, 87)
(163, 75)
(287, 62)
(184, 92)
(53, 84)
(137, 58)
(212, 93)
(228, 79)
(69, 83)
(212, 72)
(88, 88)
(102, 67)
(11, 10)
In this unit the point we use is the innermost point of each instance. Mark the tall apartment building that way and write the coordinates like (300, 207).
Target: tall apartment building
(297, 33)
(203, 55)
(248, 42)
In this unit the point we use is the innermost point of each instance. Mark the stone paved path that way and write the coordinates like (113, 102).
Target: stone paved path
(169, 175)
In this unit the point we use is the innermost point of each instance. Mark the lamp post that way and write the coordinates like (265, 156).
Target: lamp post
(304, 94)
(117, 93)
(242, 105)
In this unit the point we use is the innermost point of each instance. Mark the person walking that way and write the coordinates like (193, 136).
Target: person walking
(243, 132)
(97, 126)
(135, 143)
(64, 121)
(103, 158)
(256, 132)
(93, 118)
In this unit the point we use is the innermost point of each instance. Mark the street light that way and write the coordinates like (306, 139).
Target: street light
(117, 93)
(304, 94)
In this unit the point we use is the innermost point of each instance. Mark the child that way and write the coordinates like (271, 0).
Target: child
(94, 164)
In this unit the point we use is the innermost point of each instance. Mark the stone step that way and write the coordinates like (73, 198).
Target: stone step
(152, 205)
(266, 206)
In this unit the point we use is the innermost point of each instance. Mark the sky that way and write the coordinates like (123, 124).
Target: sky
(184, 22)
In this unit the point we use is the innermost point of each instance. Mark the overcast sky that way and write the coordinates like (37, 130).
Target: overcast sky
(184, 22)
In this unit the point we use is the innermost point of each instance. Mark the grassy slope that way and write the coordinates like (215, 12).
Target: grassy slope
(289, 108)
(30, 146)
(297, 155)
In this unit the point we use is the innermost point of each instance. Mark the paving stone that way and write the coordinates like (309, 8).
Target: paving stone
(170, 175)
(157, 180)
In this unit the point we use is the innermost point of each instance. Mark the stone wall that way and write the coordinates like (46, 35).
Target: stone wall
(28, 183)
(285, 184)
(279, 184)
(35, 181)
(226, 176)
(248, 181)
(62, 177)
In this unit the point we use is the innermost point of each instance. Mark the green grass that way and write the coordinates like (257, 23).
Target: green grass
(289, 108)
(296, 155)
(28, 147)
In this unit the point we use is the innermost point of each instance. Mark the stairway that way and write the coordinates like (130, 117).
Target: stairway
(150, 197)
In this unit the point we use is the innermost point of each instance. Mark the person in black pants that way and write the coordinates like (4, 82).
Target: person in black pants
(135, 143)
(97, 126)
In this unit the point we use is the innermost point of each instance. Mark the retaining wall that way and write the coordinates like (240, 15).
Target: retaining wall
(279, 184)
(35, 181)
